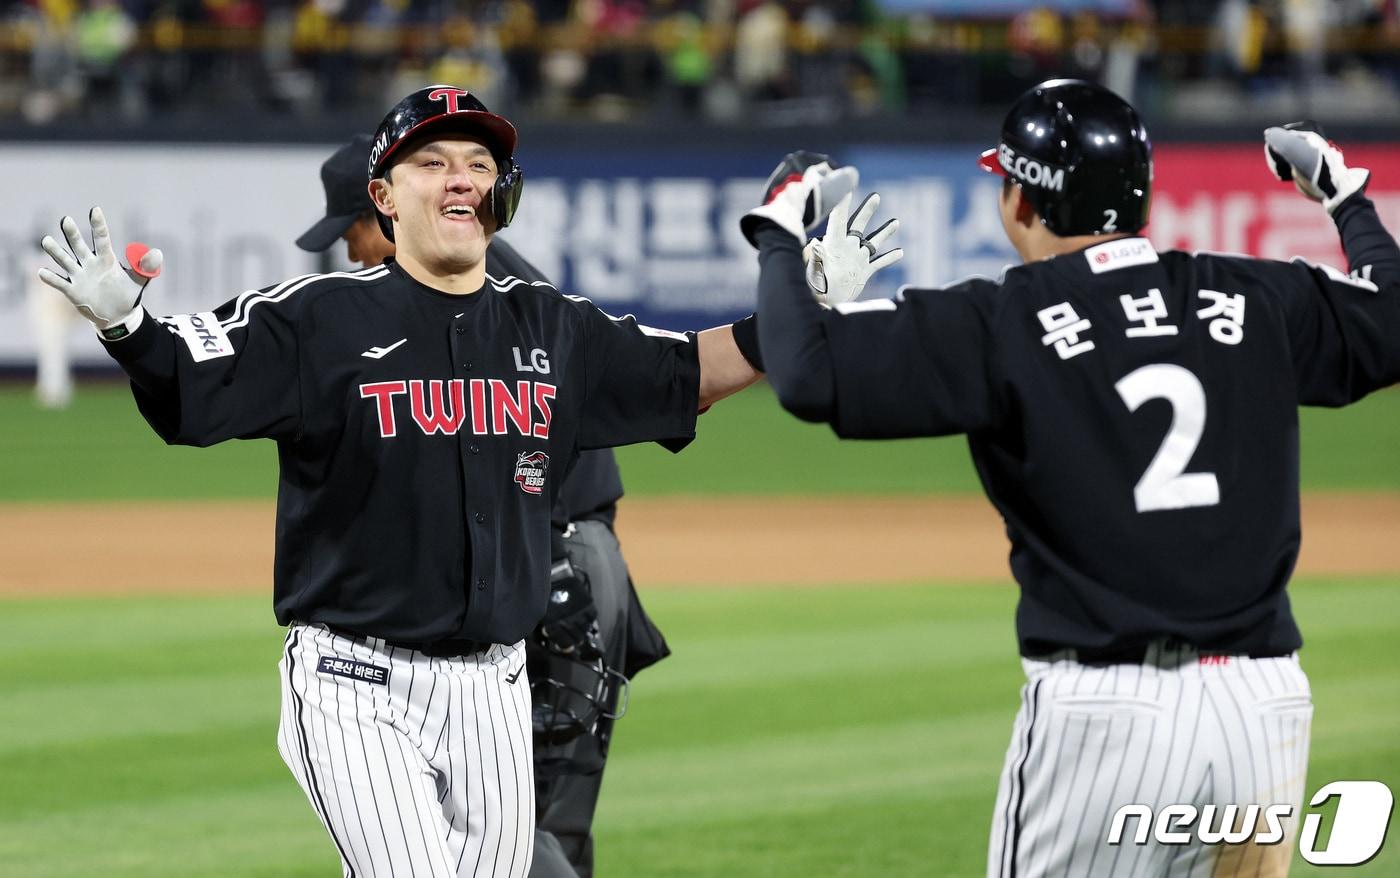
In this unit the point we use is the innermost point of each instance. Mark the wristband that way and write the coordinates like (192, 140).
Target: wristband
(746, 337)
(124, 327)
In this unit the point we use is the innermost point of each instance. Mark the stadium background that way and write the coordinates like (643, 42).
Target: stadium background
(845, 672)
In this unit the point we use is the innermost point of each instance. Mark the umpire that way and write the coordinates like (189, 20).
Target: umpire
(1133, 417)
(596, 635)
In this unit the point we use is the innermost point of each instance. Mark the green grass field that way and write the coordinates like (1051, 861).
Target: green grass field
(830, 731)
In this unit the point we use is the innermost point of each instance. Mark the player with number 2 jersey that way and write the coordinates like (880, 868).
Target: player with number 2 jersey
(1132, 414)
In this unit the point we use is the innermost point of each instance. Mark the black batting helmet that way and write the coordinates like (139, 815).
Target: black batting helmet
(1081, 156)
(440, 108)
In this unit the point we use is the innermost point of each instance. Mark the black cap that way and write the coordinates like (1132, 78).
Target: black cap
(347, 194)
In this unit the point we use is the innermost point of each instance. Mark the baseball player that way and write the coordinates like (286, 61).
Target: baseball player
(594, 613)
(1133, 417)
(425, 416)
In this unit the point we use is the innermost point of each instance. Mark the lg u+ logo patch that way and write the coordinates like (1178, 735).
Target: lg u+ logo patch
(1358, 827)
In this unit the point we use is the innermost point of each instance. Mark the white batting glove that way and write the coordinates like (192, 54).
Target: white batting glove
(107, 293)
(800, 193)
(1300, 152)
(840, 264)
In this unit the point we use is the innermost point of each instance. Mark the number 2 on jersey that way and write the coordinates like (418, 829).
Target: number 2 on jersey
(1165, 484)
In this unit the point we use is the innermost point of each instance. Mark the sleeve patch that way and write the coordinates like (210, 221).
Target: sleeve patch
(661, 333)
(206, 339)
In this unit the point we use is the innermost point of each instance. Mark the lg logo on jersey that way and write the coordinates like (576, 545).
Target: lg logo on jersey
(1358, 828)
(539, 361)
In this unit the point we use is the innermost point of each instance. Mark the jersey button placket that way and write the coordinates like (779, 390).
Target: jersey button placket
(473, 448)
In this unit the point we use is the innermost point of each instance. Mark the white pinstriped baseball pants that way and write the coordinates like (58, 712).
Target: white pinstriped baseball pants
(1176, 729)
(425, 773)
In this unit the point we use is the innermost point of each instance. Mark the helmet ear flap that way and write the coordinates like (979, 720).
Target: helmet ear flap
(506, 192)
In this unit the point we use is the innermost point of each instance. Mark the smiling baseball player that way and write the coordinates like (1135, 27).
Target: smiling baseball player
(425, 417)
(596, 635)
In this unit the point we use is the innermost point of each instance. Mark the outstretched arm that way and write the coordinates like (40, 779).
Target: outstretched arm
(107, 293)
(794, 344)
(197, 378)
(1300, 152)
(724, 370)
(835, 272)
(868, 368)
(799, 194)
(1345, 328)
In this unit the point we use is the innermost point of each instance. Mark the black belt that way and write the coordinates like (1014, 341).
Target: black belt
(452, 648)
(443, 648)
(1136, 655)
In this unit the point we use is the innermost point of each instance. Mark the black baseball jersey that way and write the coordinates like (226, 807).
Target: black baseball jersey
(594, 484)
(422, 436)
(1133, 416)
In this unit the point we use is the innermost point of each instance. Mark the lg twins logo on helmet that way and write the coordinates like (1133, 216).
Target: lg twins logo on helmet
(1030, 170)
(450, 95)
(530, 468)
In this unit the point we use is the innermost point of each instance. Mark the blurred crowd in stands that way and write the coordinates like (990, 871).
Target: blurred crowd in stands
(756, 61)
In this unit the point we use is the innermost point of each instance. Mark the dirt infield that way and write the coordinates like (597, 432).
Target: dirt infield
(184, 547)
